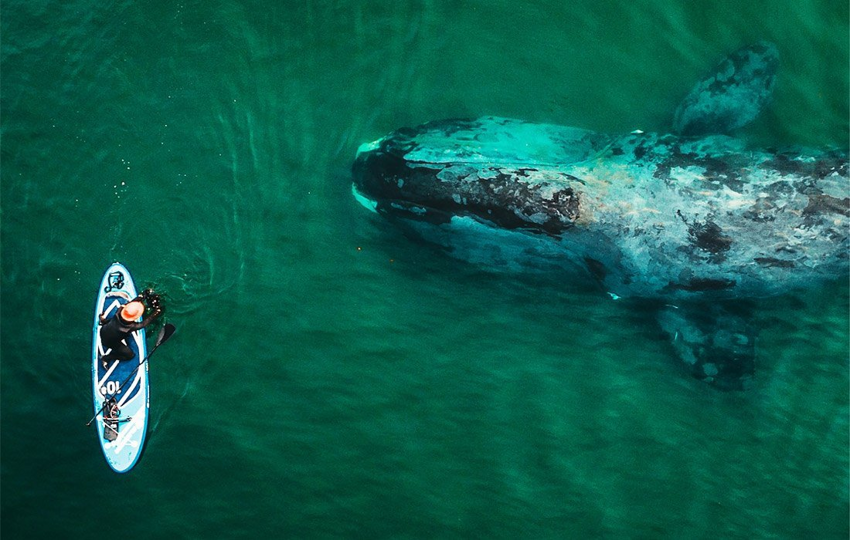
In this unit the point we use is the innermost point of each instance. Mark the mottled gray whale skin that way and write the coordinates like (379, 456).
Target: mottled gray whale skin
(697, 220)
(732, 95)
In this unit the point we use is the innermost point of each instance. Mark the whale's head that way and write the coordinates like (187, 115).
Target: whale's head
(497, 172)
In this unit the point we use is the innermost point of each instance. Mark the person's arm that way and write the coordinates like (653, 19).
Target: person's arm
(146, 321)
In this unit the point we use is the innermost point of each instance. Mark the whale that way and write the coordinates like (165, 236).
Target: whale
(695, 221)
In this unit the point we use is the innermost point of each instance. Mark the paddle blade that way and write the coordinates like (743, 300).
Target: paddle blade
(166, 332)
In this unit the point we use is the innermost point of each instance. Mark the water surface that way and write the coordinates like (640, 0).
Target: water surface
(332, 378)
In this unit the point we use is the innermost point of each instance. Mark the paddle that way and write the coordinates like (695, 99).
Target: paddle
(166, 332)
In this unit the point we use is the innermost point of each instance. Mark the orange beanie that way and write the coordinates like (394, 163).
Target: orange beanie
(132, 311)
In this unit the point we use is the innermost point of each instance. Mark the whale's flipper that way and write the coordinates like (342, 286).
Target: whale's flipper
(732, 95)
(716, 344)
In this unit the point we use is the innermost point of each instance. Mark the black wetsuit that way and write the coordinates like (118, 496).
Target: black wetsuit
(114, 333)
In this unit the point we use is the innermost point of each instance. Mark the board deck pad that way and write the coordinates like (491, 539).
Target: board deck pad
(122, 449)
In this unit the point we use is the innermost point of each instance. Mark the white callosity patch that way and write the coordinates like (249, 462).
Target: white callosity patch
(367, 203)
(368, 147)
(418, 210)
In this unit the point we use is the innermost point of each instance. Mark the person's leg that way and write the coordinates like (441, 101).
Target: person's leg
(119, 352)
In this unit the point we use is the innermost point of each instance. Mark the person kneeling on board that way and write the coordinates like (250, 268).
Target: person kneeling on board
(118, 328)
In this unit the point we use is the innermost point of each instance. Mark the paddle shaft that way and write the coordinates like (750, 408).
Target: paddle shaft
(166, 333)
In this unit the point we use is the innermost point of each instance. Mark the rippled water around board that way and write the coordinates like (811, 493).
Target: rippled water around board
(333, 378)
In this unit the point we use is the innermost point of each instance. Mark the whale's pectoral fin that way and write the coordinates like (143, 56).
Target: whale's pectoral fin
(715, 342)
(732, 95)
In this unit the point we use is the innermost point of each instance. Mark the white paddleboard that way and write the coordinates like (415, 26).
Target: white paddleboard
(122, 441)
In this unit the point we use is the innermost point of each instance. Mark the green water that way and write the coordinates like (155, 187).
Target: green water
(332, 378)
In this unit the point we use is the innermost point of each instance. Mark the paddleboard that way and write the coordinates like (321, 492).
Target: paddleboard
(121, 432)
